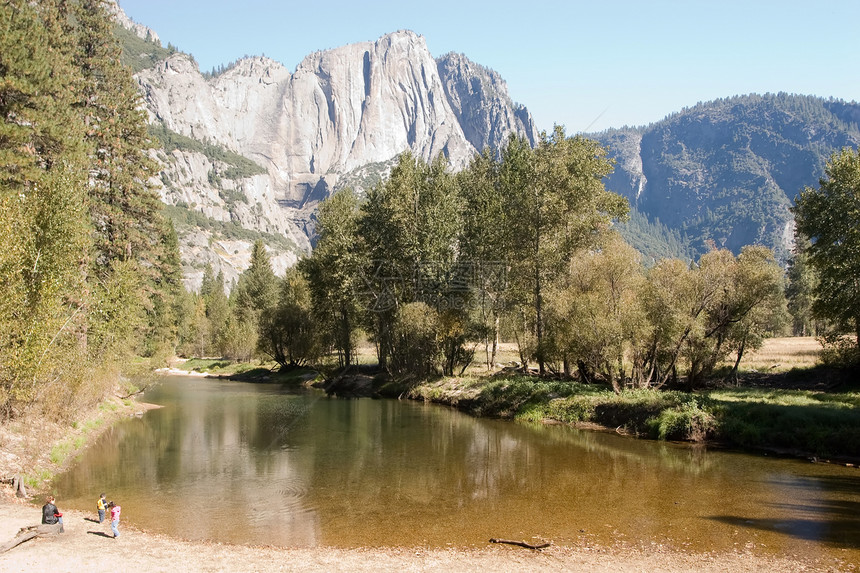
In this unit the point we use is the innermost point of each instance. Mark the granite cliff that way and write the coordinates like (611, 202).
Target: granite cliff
(341, 118)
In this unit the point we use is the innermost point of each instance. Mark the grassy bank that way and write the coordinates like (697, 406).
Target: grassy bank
(785, 403)
(802, 422)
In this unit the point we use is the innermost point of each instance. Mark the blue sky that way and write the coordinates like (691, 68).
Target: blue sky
(586, 65)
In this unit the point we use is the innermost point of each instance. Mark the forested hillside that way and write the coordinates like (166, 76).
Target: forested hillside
(726, 172)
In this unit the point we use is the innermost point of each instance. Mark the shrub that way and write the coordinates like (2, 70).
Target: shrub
(416, 349)
(689, 421)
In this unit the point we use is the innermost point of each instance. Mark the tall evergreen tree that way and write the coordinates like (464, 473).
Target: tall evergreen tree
(256, 292)
(42, 201)
(124, 208)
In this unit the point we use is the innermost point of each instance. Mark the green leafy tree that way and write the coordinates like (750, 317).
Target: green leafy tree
(217, 312)
(194, 328)
(747, 303)
(238, 340)
(416, 348)
(800, 290)
(699, 314)
(287, 331)
(594, 316)
(410, 225)
(334, 270)
(666, 297)
(484, 247)
(830, 218)
(758, 302)
(560, 204)
(43, 226)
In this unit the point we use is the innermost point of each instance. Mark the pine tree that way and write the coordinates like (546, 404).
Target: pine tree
(42, 227)
(124, 208)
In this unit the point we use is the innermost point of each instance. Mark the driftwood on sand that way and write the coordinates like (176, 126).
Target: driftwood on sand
(521, 543)
(30, 532)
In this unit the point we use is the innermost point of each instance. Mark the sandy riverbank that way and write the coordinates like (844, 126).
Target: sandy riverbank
(86, 545)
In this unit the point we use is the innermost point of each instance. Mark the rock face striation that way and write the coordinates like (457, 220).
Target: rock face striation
(313, 130)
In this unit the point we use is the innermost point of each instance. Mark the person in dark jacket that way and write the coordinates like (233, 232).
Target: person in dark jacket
(50, 513)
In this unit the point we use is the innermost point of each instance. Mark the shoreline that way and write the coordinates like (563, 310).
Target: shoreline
(86, 544)
(443, 393)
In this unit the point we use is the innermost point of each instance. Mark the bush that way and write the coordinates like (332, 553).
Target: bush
(689, 421)
(416, 350)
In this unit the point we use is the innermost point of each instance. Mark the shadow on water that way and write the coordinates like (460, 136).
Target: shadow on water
(831, 520)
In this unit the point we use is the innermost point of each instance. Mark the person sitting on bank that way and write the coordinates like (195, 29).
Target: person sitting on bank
(50, 514)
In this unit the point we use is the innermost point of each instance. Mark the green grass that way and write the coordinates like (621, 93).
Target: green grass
(38, 478)
(825, 424)
(61, 451)
(797, 421)
(108, 407)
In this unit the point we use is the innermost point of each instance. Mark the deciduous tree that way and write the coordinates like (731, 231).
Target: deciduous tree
(830, 217)
(558, 203)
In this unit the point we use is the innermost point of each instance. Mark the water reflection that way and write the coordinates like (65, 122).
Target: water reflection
(259, 464)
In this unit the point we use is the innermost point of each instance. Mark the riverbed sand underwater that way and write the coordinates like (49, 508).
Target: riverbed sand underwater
(88, 546)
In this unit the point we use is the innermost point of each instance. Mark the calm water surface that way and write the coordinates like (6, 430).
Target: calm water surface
(261, 464)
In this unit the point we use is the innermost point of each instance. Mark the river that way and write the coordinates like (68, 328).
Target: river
(265, 464)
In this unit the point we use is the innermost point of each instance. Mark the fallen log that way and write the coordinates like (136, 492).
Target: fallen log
(30, 532)
(521, 543)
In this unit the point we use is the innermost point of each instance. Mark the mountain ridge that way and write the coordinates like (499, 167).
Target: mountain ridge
(721, 173)
(726, 172)
(341, 111)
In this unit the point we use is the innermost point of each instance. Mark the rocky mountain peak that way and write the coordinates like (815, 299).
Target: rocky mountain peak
(344, 114)
(479, 98)
(123, 20)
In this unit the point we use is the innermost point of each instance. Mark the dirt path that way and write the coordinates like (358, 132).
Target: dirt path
(87, 546)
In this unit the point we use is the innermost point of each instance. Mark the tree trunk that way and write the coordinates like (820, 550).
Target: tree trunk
(18, 487)
(583, 372)
(495, 342)
(741, 349)
(520, 351)
(857, 331)
(539, 325)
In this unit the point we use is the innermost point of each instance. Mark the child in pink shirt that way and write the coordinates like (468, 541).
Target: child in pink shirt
(114, 518)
